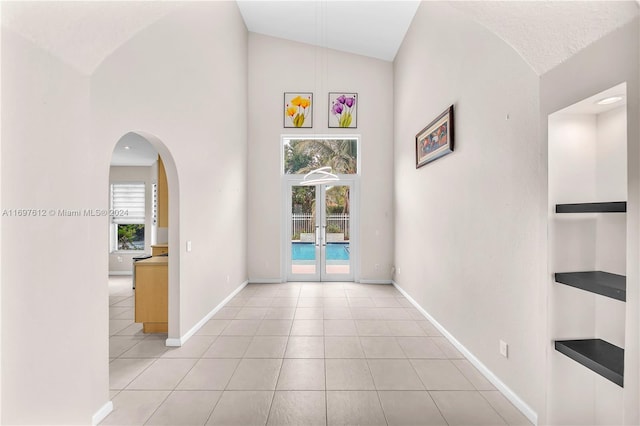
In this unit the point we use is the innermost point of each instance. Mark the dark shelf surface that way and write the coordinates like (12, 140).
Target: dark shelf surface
(608, 207)
(597, 355)
(603, 283)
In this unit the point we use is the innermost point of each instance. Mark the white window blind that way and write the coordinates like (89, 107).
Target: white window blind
(127, 201)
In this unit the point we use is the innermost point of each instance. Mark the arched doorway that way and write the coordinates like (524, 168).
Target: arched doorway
(143, 222)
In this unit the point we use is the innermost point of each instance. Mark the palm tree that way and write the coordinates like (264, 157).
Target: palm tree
(306, 155)
(295, 158)
(340, 154)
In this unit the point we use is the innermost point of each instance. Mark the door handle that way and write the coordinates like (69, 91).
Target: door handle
(324, 235)
(317, 232)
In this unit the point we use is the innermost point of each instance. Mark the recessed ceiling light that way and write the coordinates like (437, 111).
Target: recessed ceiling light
(127, 147)
(610, 100)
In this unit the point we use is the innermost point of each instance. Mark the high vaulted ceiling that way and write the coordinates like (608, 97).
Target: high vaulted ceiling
(544, 33)
(369, 28)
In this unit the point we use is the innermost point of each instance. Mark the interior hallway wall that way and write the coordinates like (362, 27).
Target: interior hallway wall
(182, 79)
(277, 66)
(468, 226)
(189, 91)
(54, 312)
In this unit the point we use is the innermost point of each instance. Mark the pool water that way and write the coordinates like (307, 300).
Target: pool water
(307, 251)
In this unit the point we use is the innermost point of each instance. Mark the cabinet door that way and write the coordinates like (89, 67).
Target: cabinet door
(151, 293)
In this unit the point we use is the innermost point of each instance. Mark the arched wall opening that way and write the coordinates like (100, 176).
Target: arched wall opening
(170, 234)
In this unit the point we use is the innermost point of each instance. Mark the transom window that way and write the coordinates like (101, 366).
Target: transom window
(303, 155)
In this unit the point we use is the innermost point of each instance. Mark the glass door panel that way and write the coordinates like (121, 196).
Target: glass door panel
(304, 253)
(319, 238)
(336, 225)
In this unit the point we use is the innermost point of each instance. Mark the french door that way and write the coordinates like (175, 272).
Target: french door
(319, 236)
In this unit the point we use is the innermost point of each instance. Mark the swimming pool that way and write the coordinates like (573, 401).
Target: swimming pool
(307, 251)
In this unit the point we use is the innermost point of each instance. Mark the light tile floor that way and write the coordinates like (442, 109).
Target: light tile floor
(298, 354)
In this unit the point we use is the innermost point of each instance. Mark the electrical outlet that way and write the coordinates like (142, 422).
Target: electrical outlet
(189, 245)
(120, 259)
(377, 266)
(504, 349)
(228, 279)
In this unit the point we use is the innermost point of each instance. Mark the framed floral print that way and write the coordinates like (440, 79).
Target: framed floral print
(298, 110)
(343, 110)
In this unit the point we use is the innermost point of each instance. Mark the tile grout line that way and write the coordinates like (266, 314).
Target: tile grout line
(375, 387)
(326, 388)
(506, 422)
(158, 407)
(382, 319)
(279, 371)
(137, 375)
(222, 391)
(214, 407)
(436, 405)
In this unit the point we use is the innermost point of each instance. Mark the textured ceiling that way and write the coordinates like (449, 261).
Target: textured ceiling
(370, 28)
(546, 33)
(82, 33)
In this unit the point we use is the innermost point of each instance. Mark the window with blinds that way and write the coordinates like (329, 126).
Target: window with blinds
(128, 207)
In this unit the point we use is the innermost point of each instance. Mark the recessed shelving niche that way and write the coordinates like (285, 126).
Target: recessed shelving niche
(587, 231)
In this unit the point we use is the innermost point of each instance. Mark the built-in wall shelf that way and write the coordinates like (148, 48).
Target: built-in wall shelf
(609, 207)
(603, 283)
(597, 355)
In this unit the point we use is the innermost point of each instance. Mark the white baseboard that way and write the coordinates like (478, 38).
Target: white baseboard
(499, 384)
(102, 413)
(265, 280)
(180, 341)
(120, 273)
(376, 282)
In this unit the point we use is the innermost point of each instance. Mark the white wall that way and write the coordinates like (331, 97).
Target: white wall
(606, 63)
(54, 269)
(190, 91)
(184, 80)
(468, 226)
(611, 233)
(277, 66)
(122, 262)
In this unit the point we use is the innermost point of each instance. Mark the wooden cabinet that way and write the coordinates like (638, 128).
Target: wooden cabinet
(163, 196)
(152, 294)
(158, 249)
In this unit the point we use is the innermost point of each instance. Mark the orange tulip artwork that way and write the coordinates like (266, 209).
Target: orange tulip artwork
(298, 110)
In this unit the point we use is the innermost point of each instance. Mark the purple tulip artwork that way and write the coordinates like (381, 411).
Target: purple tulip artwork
(343, 110)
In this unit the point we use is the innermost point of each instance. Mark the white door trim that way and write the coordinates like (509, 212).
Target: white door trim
(285, 248)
